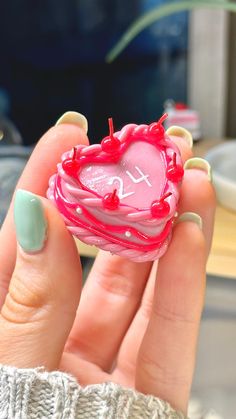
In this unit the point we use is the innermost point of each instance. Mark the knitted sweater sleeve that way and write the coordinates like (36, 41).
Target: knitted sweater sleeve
(34, 393)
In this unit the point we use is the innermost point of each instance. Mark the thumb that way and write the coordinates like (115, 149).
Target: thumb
(45, 287)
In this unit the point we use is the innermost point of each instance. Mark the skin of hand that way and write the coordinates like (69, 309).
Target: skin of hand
(133, 324)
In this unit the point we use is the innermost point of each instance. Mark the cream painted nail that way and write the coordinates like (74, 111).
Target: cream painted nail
(190, 216)
(74, 118)
(182, 133)
(200, 164)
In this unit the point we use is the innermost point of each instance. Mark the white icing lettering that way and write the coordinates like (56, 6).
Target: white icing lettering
(96, 179)
(120, 191)
(141, 179)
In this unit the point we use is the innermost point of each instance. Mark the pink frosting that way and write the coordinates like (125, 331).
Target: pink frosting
(138, 173)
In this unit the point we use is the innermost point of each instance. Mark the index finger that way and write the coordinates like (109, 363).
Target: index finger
(41, 165)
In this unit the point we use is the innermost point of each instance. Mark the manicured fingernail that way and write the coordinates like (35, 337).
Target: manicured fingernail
(182, 133)
(30, 221)
(192, 217)
(74, 118)
(200, 164)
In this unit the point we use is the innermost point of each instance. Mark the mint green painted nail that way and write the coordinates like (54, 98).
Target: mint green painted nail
(30, 221)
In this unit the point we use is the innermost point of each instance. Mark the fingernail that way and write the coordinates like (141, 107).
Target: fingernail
(192, 217)
(30, 221)
(182, 133)
(74, 118)
(200, 164)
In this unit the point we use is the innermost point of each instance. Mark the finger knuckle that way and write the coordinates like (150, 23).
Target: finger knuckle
(115, 283)
(156, 372)
(147, 307)
(28, 288)
(173, 316)
(24, 303)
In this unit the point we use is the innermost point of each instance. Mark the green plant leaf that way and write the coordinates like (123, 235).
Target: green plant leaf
(158, 13)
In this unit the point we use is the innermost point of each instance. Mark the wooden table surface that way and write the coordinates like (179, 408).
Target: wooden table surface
(222, 260)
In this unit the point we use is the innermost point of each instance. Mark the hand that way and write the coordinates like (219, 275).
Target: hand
(131, 324)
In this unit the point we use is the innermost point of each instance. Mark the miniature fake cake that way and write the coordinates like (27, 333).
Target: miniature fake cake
(121, 195)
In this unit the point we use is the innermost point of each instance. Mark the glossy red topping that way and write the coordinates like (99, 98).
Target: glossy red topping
(156, 128)
(160, 208)
(110, 144)
(71, 166)
(174, 171)
(111, 201)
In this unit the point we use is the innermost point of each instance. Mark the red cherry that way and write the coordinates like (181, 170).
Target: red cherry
(175, 173)
(156, 130)
(71, 167)
(160, 209)
(111, 201)
(110, 144)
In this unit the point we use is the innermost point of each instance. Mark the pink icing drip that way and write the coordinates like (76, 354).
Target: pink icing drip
(154, 242)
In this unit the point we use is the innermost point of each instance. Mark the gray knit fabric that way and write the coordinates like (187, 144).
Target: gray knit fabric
(34, 393)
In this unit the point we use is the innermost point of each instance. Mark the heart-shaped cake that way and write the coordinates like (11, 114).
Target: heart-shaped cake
(121, 195)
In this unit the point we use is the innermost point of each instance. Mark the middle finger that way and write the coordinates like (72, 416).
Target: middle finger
(109, 301)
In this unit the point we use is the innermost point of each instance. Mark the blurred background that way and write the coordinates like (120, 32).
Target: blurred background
(53, 60)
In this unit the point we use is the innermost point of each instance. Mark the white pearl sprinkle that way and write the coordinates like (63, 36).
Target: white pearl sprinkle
(79, 210)
(127, 234)
(176, 214)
